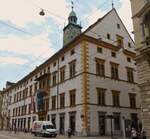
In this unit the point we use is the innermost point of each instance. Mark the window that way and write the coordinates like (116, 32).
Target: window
(35, 87)
(33, 107)
(63, 58)
(100, 67)
(101, 96)
(25, 109)
(99, 50)
(53, 102)
(44, 71)
(72, 68)
(117, 122)
(62, 100)
(72, 98)
(54, 64)
(48, 69)
(62, 74)
(48, 81)
(128, 59)
(54, 78)
(72, 52)
(20, 97)
(53, 119)
(119, 41)
(16, 111)
(134, 120)
(113, 54)
(30, 91)
(114, 71)
(15, 98)
(130, 75)
(118, 26)
(132, 98)
(40, 73)
(129, 44)
(108, 36)
(19, 111)
(25, 93)
(29, 108)
(116, 98)
(13, 111)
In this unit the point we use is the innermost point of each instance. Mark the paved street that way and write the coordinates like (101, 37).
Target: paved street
(20, 135)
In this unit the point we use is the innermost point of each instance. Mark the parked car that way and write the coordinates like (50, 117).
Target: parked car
(44, 128)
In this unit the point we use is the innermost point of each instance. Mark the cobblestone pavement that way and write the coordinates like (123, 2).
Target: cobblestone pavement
(21, 135)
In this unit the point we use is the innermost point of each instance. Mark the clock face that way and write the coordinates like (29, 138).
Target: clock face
(70, 33)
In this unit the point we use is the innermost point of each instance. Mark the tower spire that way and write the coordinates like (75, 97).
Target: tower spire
(71, 30)
(72, 5)
(112, 4)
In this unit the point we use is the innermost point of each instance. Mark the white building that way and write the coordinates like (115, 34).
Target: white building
(91, 79)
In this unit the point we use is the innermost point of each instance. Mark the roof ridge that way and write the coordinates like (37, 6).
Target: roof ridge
(99, 20)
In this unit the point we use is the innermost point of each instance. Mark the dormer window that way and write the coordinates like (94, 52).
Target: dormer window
(118, 26)
(119, 40)
(129, 44)
(108, 36)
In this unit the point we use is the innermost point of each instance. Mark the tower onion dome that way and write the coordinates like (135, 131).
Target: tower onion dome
(72, 17)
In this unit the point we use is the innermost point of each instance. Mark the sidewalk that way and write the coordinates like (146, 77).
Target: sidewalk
(22, 135)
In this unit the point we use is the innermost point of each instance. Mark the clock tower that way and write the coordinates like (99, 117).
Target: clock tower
(72, 30)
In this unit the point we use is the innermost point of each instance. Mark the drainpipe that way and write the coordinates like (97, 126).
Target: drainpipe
(58, 84)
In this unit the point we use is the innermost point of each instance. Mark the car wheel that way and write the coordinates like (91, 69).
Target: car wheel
(54, 136)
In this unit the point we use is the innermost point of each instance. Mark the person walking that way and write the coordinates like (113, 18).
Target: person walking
(15, 128)
(143, 134)
(69, 132)
(133, 133)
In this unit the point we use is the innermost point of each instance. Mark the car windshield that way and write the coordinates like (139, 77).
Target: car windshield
(48, 127)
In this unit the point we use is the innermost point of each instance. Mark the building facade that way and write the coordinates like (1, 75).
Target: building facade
(141, 21)
(1, 118)
(89, 85)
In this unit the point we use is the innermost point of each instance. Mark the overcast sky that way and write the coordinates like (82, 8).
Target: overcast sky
(27, 39)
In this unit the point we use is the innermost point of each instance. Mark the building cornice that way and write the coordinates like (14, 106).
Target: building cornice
(129, 53)
(144, 54)
(69, 46)
(143, 10)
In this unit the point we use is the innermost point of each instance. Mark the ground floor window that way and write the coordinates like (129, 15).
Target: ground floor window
(53, 119)
(117, 122)
(72, 122)
(62, 123)
(134, 120)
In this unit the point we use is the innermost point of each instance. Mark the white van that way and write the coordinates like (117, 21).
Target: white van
(44, 128)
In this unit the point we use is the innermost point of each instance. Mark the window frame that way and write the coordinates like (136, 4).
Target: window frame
(100, 67)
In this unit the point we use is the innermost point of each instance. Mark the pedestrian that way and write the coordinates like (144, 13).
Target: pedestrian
(133, 133)
(69, 132)
(15, 128)
(143, 134)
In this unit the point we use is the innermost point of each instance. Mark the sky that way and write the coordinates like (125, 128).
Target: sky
(28, 39)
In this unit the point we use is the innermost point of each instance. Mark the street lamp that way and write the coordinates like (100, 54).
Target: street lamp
(42, 13)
